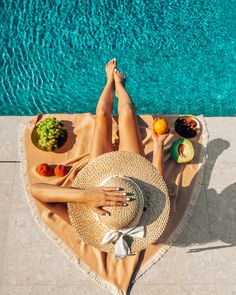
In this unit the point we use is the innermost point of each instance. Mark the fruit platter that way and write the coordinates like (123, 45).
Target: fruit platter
(49, 135)
(187, 126)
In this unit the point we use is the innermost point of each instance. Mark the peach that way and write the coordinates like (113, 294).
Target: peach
(44, 169)
(60, 170)
(160, 126)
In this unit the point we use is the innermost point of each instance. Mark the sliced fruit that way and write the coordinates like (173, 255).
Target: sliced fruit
(182, 151)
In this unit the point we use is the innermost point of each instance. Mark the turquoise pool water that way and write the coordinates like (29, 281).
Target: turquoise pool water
(178, 55)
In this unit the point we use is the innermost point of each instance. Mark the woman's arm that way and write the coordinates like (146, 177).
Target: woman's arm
(158, 157)
(50, 193)
(158, 151)
(95, 198)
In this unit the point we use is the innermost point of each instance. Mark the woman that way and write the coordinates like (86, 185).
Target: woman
(55, 198)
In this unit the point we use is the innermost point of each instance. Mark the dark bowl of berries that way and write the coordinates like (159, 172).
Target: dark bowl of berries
(187, 126)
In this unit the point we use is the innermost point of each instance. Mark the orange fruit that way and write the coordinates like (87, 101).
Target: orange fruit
(44, 169)
(160, 126)
(60, 170)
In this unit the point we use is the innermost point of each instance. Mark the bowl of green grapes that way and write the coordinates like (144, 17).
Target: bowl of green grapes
(49, 135)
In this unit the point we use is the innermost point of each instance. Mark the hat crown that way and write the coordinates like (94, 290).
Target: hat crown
(127, 216)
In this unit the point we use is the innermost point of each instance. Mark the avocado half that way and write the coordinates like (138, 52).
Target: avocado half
(182, 151)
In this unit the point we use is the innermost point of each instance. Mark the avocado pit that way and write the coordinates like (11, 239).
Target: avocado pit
(182, 151)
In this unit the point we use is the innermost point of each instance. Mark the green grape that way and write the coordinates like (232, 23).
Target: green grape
(49, 131)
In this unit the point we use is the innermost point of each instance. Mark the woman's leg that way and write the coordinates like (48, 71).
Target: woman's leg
(102, 136)
(58, 208)
(130, 137)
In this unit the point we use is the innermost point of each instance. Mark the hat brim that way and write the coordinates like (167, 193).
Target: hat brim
(156, 200)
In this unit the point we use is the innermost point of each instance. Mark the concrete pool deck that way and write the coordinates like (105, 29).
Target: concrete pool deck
(202, 261)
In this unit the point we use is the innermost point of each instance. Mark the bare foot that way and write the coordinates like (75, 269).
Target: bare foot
(110, 66)
(119, 80)
(118, 76)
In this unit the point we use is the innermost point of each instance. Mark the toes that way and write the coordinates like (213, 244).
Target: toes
(122, 75)
(116, 72)
(111, 62)
(119, 73)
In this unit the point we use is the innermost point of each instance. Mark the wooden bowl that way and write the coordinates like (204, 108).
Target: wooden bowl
(186, 131)
(61, 140)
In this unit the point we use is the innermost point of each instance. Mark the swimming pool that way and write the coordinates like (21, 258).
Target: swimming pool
(178, 56)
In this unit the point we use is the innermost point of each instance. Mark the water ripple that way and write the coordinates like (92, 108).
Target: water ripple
(179, 56)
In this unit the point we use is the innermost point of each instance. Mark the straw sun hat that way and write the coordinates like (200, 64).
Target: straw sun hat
(130, 229)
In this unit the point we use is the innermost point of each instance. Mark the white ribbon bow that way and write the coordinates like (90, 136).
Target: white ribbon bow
(121, 247)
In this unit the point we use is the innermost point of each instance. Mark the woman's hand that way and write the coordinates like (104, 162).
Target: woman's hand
(159, 138)
(96, 198)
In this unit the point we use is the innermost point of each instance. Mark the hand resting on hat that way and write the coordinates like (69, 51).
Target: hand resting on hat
(95, 198)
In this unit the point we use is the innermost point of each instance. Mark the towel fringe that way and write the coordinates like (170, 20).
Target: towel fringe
(57, 241)
(189, 210)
